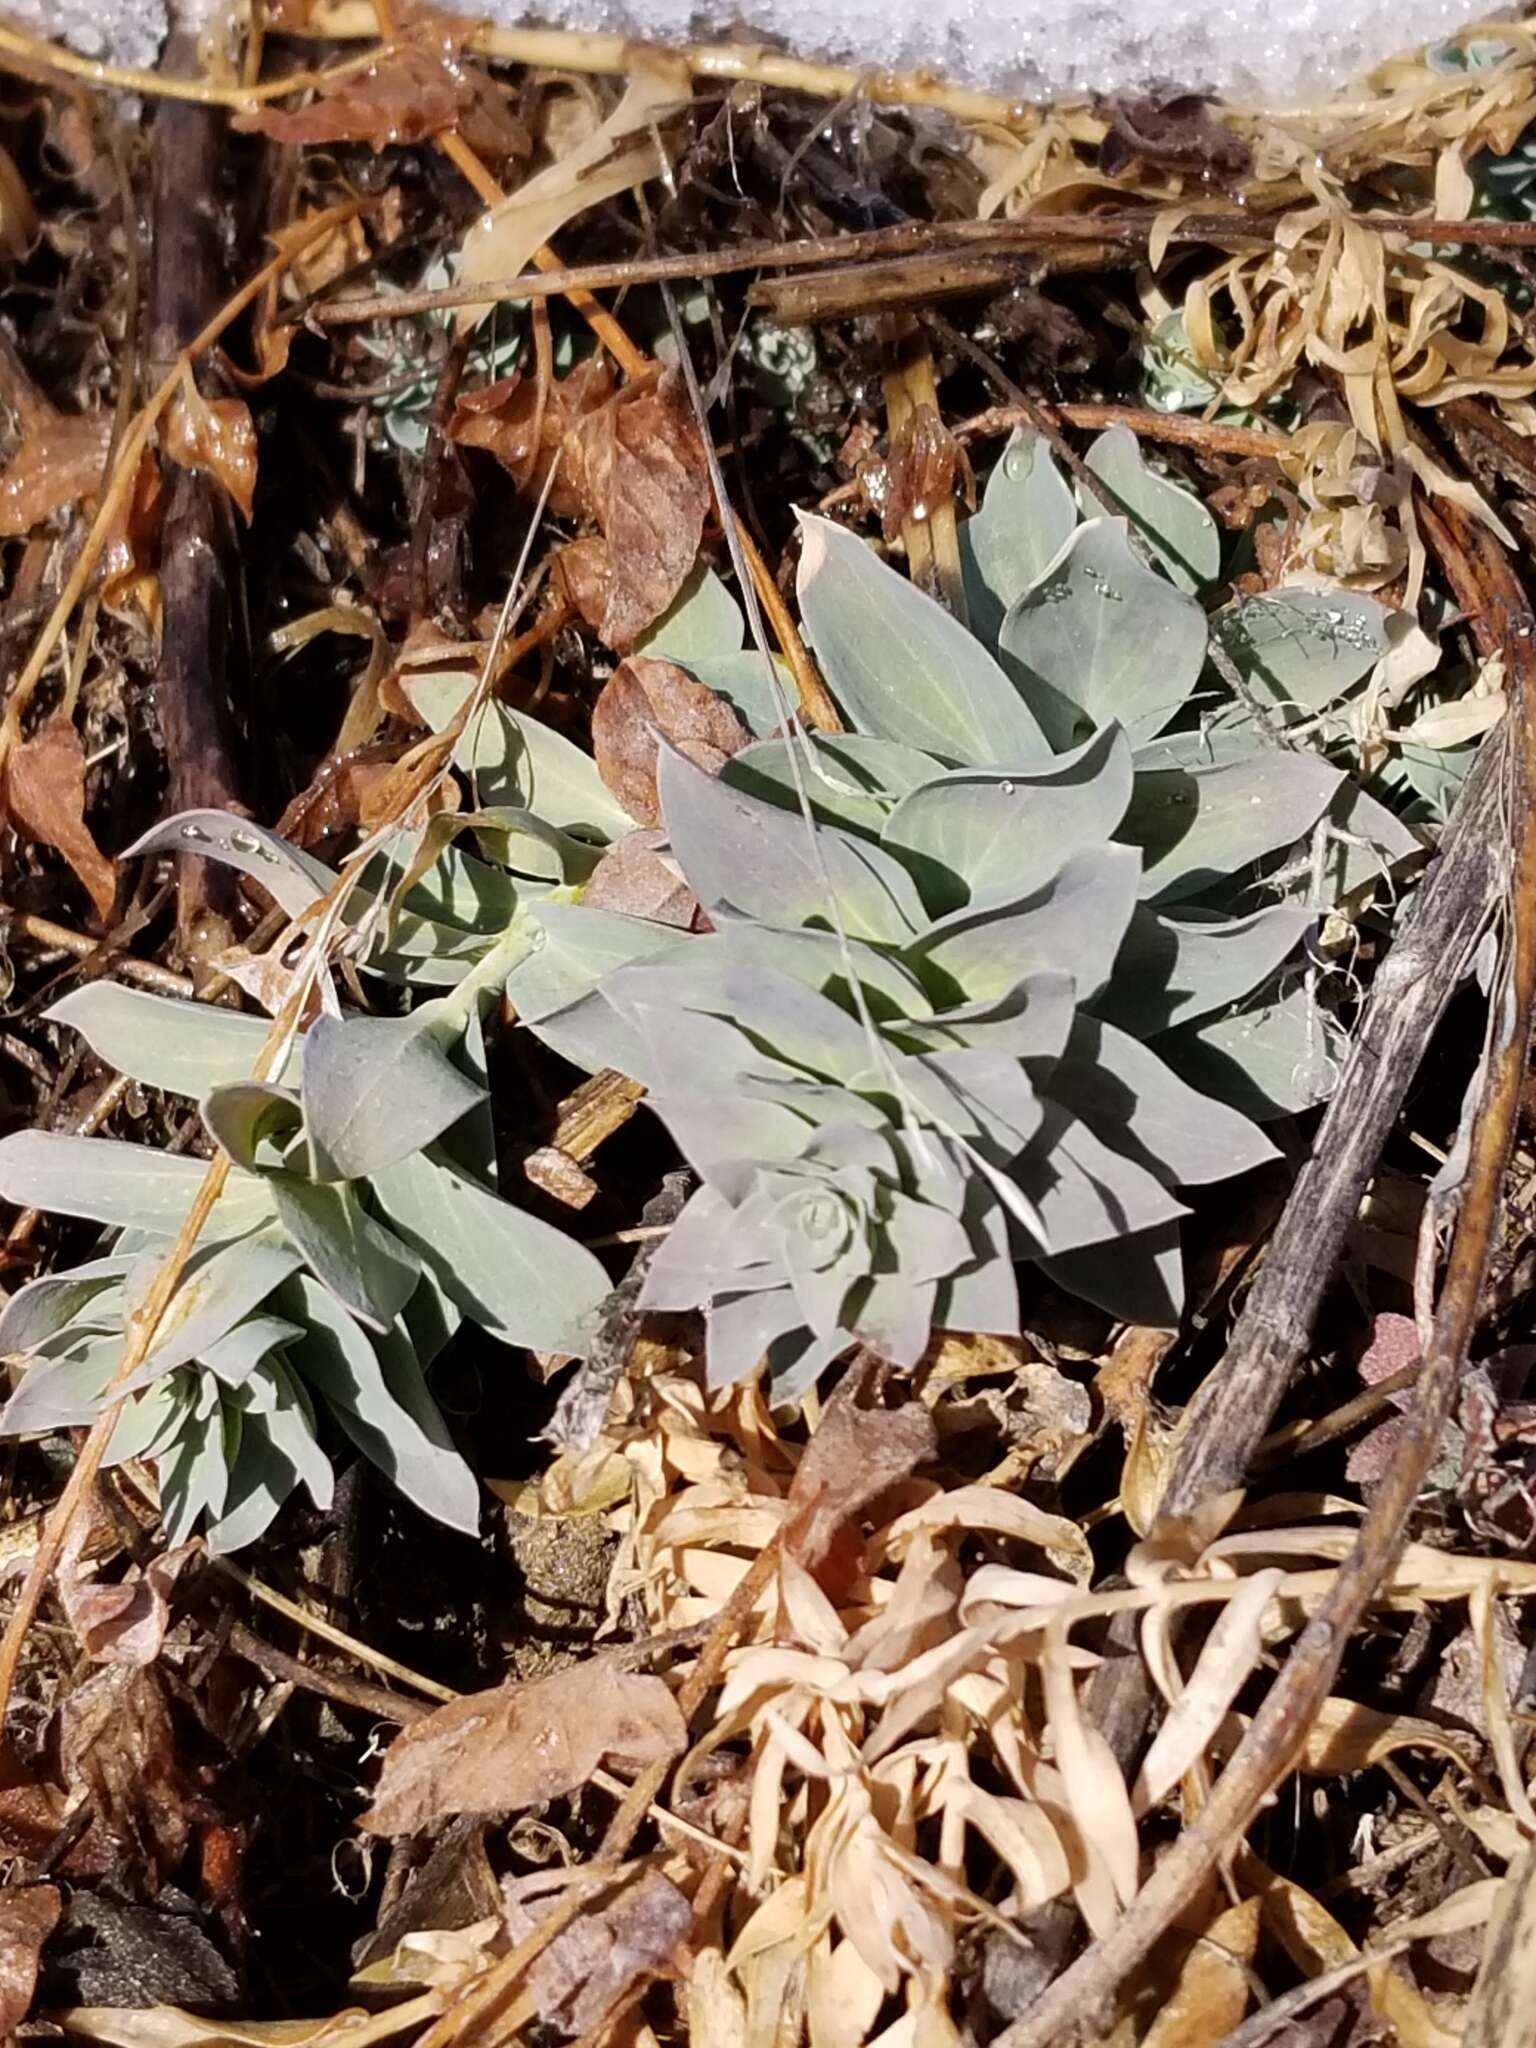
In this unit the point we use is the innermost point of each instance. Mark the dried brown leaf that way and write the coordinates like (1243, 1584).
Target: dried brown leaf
(1211, 1994)
(622, 152)
(523, 425)
(602, 1954)
(643, 702)
(59, 460)
(922, 470)
(213, 435)
(28, 1915)
(1099, 1803)
(1177, 133)
(1230, 1652)
(1315, 1942)
(125, 1623)
(118, 1744)
(45, 797)
(856, 1455)
(518, 1745)
(639, 466)
(422, 88)
(632, 877)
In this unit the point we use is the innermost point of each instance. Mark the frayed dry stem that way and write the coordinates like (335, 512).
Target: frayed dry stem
(35, 52)
(559, 49)
(132, 446)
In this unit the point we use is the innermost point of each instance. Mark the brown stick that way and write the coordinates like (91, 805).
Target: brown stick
(200, 575)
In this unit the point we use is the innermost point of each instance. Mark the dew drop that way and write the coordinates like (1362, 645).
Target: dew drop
(195, 834)
(1008, 788)
(244, 842)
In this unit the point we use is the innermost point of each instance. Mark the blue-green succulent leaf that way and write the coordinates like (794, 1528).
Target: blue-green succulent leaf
(899, 665)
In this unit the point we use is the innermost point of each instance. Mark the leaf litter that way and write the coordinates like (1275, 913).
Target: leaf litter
(859, 1699)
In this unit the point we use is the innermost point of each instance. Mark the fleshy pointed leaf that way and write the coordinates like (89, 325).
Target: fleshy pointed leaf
(45, 1305)
(1027, 517)
(1074, 924)
(377, 1089)
(222, 1284)
(851, 780)
(1174, 969)
(745, 856)
(702, 620)
(518, 1278)
(185, 1048)
(1138, 1105)
(243, 1116)
(1170, 519)
(62, 1393)
(376, 1388)
(899, 665)
(130, 1185)
(1200, 828)
(1107, 638)
(1303, 650)
(234, 1358)
(972, 836)
(292, 878)
(364, 1265)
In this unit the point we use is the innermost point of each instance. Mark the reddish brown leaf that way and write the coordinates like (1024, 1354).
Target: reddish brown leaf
(60, 460)
(129, 563)
(518, 1745)
(28, 1915)
(507, 419)
(45, 797)
(581, 575)
(215, 435)
(640, 468)
(422, 88)
(633, 878)
(854, 1457)
(924, 466)
(125, 1623)
(645, 700)
(117, 1743)
(600, 1956)
(1177, 131)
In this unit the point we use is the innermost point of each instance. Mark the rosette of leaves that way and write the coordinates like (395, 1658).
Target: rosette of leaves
(358, 1228)
(998, 1004)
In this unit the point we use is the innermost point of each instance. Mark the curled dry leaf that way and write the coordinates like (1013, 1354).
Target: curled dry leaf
(921, 472)
(117, 1744)
(125, 1623)
(595, 1961)
(523, 425)
(45, 797)
(646, 700)
(639, 467)
(59, 460)
(213, 435)
(422, 88)
(1211, 1994)
(518, 1745)
(28, 1915)
(621, 153)
(856, 1455)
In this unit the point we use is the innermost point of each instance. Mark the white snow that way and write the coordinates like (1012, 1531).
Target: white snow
(1270, 50)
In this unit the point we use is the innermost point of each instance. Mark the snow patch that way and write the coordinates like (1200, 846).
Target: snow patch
(1269, 50)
